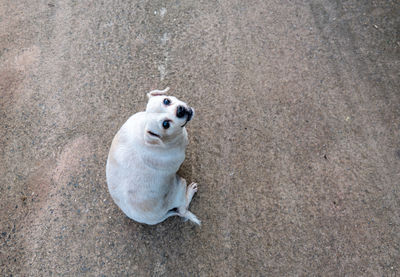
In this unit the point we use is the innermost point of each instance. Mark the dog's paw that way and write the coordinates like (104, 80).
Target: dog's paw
(190, 191)
(193, 187)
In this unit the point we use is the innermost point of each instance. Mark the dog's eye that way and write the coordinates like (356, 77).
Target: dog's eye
(167, 102)
(165, 124)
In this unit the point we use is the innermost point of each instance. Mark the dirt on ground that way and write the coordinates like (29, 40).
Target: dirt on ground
(295, 144)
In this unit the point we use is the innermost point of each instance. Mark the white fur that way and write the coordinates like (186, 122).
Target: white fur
(143, 161)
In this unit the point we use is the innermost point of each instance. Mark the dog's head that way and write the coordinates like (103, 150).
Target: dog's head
(167, 117)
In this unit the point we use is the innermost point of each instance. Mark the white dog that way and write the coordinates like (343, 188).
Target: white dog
(144, 157)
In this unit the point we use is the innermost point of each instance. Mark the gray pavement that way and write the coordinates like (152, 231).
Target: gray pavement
(295, 144)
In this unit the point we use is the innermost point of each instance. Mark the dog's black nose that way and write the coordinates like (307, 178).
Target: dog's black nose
(181, 111)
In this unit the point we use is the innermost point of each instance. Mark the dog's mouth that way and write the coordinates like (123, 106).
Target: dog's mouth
(185, 123)
(153, 134)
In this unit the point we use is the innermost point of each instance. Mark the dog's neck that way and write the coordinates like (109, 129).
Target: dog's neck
(176, 140)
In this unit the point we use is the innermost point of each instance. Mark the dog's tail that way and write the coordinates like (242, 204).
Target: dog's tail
(188, 215)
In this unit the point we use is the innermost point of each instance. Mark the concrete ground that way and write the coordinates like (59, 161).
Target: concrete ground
(295, 144)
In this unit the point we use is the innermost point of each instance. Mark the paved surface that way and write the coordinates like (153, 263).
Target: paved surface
(295, 143)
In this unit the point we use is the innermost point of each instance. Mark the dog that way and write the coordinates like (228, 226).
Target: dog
(144, 158)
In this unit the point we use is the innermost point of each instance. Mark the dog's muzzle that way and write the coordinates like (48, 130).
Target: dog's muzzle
(181, 111)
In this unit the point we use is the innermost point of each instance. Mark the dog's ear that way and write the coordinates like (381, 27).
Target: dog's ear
(151, 134)
(157, 92)
(152, 140)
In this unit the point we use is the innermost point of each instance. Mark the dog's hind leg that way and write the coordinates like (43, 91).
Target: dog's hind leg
(186, 198)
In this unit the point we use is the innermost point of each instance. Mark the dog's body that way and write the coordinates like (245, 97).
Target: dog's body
(143, 160)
